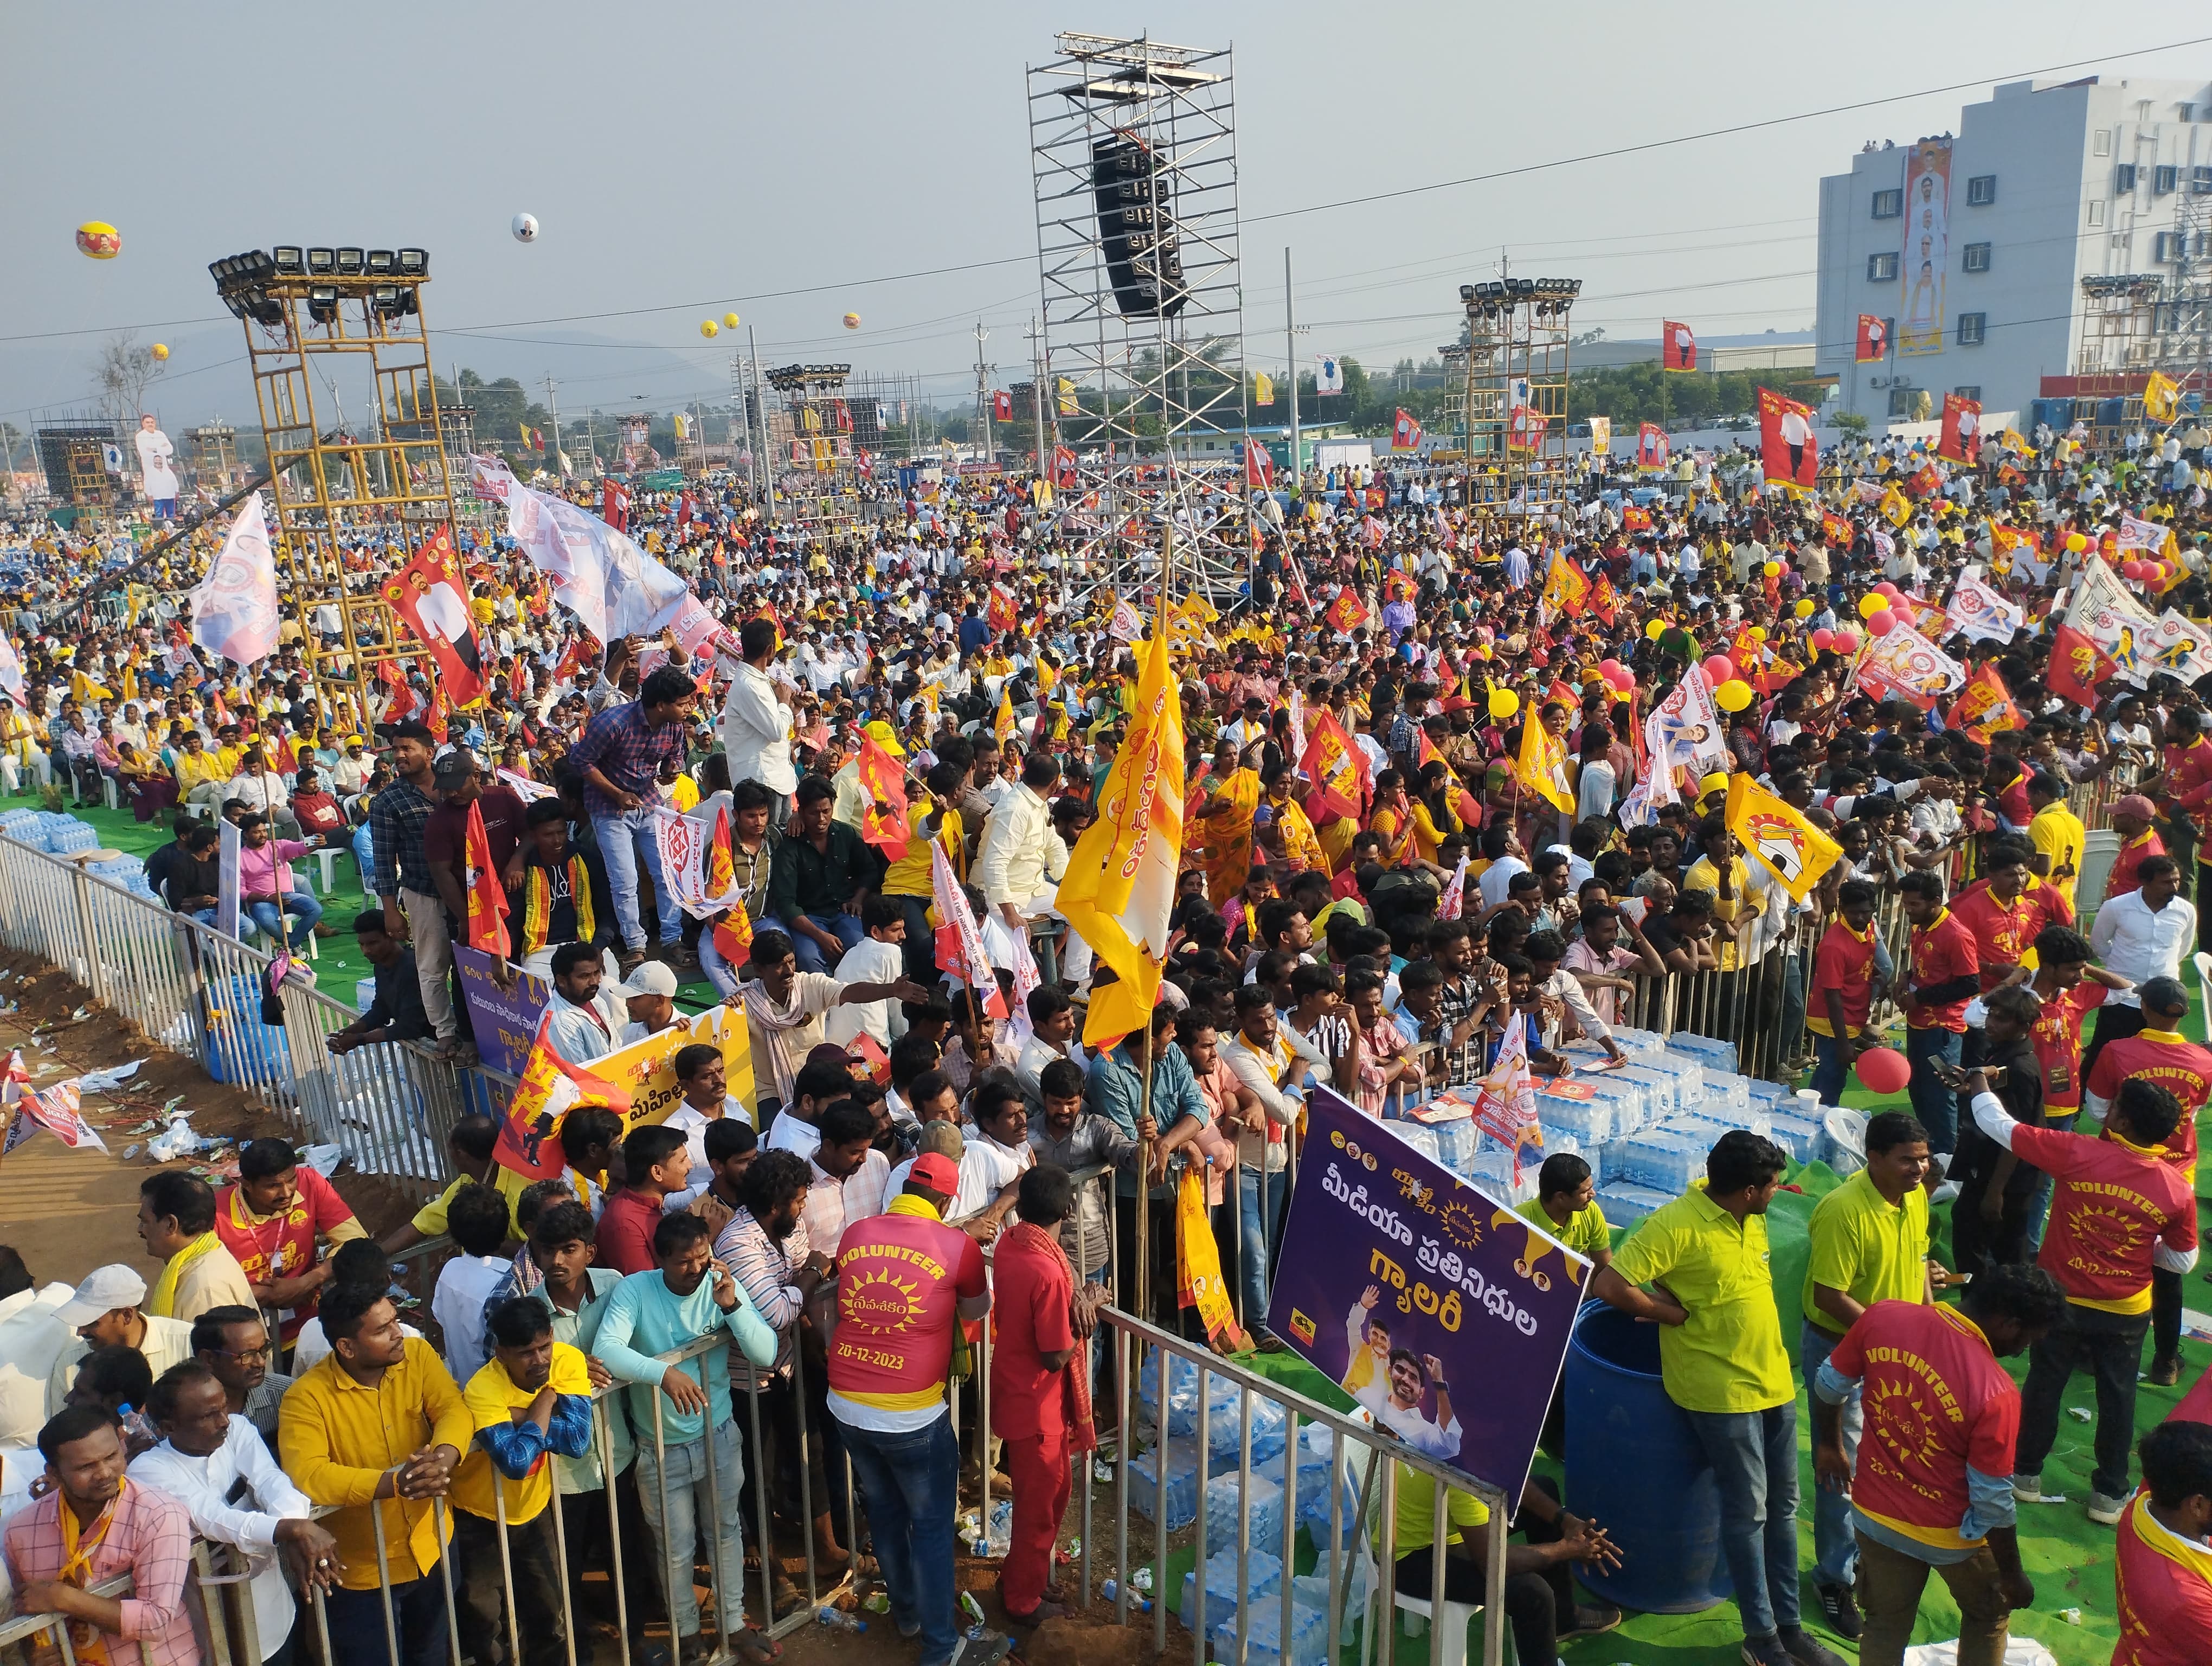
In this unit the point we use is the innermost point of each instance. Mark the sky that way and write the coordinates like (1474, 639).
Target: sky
(792, 164)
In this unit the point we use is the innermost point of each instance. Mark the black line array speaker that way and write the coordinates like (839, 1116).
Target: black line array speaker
(1142, 261)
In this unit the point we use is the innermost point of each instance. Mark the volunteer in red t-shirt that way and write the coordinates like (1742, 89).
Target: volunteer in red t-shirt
(2131, 817)
(2070, 988)
(2158, 1052)
(2004, 917)
(2162, 1564)
(272, 1221)
(2119, 1209)
(1039, 1387)
(905, 1283)
(1933, 1485)
(1942, 974)
(1843, 989)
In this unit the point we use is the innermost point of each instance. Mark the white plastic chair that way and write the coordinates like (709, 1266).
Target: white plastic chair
(1450, 1647)
(326, 859)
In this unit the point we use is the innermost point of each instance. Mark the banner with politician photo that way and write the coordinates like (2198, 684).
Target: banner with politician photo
(1438, 1309)
(1925, 259)
(430, 594)
(1789, 453)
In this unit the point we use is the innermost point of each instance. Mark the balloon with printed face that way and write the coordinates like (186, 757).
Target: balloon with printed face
(161, 351)
(525, 228)
(851, 321)
(98, 239)
(707, 327)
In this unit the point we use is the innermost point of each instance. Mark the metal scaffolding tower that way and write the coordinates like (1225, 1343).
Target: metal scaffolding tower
(818, 481)
(1133, 152)
(1515, 402)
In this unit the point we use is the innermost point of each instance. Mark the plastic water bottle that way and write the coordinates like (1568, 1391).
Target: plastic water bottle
(837, 1620)
(1112, 1593)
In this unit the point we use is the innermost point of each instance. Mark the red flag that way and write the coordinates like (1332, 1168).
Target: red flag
(1343, 782)
(222, 711)
(721, 871)
(734, 937)
(845, 417)
(1960, 438)
(614, 505)
(1602, 598)
(1463, 802)
(1405, 432)
(1651, 447)
(1923, 480)
(1000, 611)
(2077, 666)
(487, 897)
(1635, 520)
(430, 594)
(1258, 466)
(1874, 339)
(1002, 406)
(1063, 468)
(1985, 706)
(551, 1087)
(435, 720)
(1835, 529)
(1788, 448)
(1677, 346)
(883, 821)
(1348, 612)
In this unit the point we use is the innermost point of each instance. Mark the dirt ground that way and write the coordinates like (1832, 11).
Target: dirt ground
(68, 1211)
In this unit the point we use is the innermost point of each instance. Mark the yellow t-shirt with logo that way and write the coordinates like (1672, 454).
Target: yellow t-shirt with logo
(1587, 1230)
(1869, 1248)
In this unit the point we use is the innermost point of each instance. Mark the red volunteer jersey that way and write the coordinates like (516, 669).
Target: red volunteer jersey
(2182, 1067)
(2002, 932)
(1845, 965)
(1945, 950)
(2124, 875)
(900, 1278)
(2162, 1584)
(2113, 1203)
(2187, 768)
(1937, 1404)
(2057, 1040)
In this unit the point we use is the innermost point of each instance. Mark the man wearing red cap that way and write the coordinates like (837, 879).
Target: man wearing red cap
(905, 1282)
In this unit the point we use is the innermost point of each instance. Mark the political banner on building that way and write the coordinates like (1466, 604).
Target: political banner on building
(1429, 1301)
(503, 1021)
(1925, 259)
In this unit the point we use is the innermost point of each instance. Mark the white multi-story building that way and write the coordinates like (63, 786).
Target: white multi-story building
(1970, 249)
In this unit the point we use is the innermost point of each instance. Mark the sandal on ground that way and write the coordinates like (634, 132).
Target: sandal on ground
(755, 1645)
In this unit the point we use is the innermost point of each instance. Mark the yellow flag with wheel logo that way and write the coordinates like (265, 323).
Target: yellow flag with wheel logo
(1779, 839)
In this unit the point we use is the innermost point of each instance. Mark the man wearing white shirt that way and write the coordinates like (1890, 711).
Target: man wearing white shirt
(702, 1078)
(757, 722)
(1020, 862)
(877, 957)
(2139, 935)
(1272, 1061)
(1394, 1400)
(1502, 846)
(586, 1019)
(218, 1467)
(994, 1155)
(32, 1338)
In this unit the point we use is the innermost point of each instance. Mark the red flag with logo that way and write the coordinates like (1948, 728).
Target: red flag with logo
(1342, 781)
(2077, 666)
(435, 720)
(1063, 468)
(1000, 611)
(1678, 345)
(1258, 466)
(1002, 406)
(1874, 339)
(1405, 432)
(431, 595)
(1959, 438)
(1789, 451)
(1602, 601)
(1651, 447)
(883, 821)
(734, 937)
(1348, 612)
(551, 1087)
(487, 897)
(1925, 481)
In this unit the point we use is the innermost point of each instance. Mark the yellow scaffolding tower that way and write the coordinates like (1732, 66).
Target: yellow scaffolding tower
(357, 496)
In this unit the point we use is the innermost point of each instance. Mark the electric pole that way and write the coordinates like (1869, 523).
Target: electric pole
(983, 392)
(553, 415)
(1291, 345)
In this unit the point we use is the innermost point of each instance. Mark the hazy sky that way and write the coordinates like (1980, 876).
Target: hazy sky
(684, 159)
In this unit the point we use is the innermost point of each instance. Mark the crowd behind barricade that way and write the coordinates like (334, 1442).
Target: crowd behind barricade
(1453, 787)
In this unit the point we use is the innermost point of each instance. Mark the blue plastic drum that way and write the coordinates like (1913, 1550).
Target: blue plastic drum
(1634, 1466)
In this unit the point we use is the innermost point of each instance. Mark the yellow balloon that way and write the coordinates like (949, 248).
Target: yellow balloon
(1733, 696)
(161, 351)
(1504, 702)
(1759, 633)
(1871, 604)
(729, 320)
(1773, 569)
(2076, 542)
(1804, 607)
(1656, 630)
(99, 241)
(708, 327)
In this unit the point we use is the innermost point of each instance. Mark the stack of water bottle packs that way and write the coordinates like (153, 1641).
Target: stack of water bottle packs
(65, 836)
(1644, 1128)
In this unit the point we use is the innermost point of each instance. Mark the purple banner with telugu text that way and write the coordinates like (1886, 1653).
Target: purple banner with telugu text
(1435, 1306)
(503, 1021)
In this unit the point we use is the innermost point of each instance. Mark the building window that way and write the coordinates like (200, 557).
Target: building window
(2188, 113)
(1978, 257)
(1881, 268)
(1981, 191)
(1888, 204)
(2096, 214)
(2200, 181)
(1974, 393)
(2163, 178)
(2100, 142)
(2124, 179)
(1972, 327)
(1904, 401)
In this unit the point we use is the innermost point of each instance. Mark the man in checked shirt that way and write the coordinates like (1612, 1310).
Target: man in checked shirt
(620, 756)
(403, 881)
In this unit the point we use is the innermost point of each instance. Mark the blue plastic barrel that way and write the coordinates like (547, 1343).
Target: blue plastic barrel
(1635, 1467)
(241, 1047)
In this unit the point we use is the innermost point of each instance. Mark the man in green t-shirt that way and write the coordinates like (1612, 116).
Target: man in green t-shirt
(1722, 1359)
(1869, 1244)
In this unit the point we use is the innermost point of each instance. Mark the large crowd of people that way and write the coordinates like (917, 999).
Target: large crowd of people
(1436, 801)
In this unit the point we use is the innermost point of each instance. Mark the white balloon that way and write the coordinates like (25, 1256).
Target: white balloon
(525, 228)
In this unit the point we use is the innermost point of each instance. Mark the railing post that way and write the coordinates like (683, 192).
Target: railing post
(95, 973)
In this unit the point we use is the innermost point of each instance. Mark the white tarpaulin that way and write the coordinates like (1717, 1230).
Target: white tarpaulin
(1978, 613)
(685, 842)
(2105, 612)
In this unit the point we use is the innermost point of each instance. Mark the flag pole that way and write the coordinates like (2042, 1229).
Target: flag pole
(1145, 1184)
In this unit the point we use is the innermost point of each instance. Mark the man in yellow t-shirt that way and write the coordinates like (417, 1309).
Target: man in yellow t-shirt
(2056, 832)
(1566, 1206)
(1869, 1244)
(1721, 1358)
(533, 1398)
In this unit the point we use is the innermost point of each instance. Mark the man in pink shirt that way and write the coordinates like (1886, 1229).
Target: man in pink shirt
(265, 882)
(94, 1525)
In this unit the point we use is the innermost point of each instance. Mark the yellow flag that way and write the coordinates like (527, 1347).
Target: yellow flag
(1776, 837)
(1263, 388)
(1067, 407)
(1542, 766)
(1003, 724)
(2162, 398)
(683, 426)
(1121, 881)
(1896, 508)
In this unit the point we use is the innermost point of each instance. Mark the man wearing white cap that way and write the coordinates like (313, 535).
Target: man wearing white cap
(107, 1310)
(649, 996)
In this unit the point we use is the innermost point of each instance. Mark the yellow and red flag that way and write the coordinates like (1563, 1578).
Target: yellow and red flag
(1566, 587)
(1541, 765)
(2077, 666)
(549, 1088)
(1464, 804)
(1000, 611)
(487, 897)
(883, 815)
(721, 868)
(734, 937)
(1121, 881)
(1343, 783)
(1776, 837)
(1986, 705)
(1348, 612)
(1602, 601)
(1002, 726)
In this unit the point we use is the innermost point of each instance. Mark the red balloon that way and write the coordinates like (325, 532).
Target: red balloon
(1886, 588)
(1881, 624)
(1824, 639)
(1844, 641)
(1719, 669)
(2136, 570)
(1610, 669)
(1884, 1070)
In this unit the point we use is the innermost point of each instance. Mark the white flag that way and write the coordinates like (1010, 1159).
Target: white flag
(234, 609)
(2109, 614)
(598, 574)
(2179, 648)
(1448, 905)
(1979, 613)
(1329, 375)
(969, 964)
(11, 670)
(2142, 534)
(1126, 624)
(227, 897)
